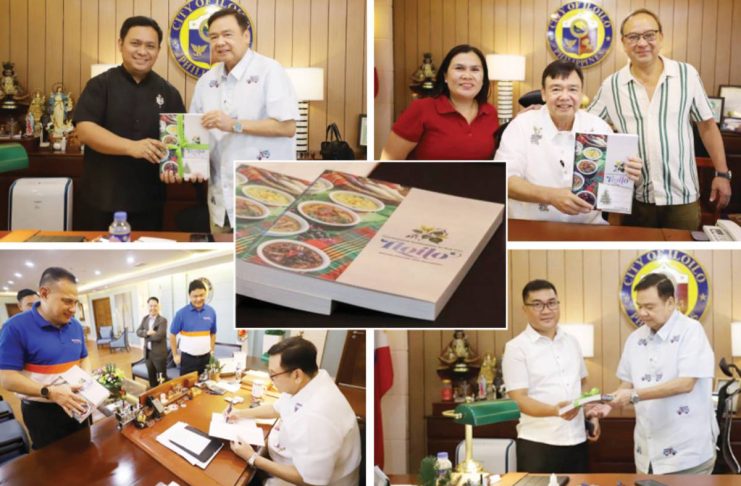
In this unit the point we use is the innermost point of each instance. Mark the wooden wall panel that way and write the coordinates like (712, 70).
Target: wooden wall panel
(53, 41)
(707, 34)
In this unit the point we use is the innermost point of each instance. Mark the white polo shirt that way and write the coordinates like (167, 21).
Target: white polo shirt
(551, 371)
(677, 432)
(255, 89)
(665, 139)
(318, 434)
(538, 152)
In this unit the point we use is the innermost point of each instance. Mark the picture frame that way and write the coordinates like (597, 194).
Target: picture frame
(363, 130)
(731, 100)
(720, 382)
(717, 103)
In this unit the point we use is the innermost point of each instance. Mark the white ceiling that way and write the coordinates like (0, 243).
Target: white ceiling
(113, 265)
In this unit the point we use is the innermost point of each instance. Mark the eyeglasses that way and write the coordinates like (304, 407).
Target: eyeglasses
(539, 306)
(635, 38)
(278, 374)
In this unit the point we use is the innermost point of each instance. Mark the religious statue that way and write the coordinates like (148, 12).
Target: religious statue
(10, 89)
(36, 112)
(459, 354)
(423, 79)
(59, 107)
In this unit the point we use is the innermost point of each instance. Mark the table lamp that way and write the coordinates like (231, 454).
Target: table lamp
(13, 157)
(474, 414)
(309, 86)
(505, 68)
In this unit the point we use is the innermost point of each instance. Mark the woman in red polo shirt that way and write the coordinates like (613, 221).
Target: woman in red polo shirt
(457, 123)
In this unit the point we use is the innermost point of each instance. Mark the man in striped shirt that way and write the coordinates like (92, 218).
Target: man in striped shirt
(35, 347)
(196, 325)
(657, 98)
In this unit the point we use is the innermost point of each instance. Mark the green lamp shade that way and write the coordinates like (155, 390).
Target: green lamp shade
(13, 157)
(486, 412)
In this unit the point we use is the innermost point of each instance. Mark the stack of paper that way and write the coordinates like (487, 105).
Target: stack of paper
(243, 430)
(191, 444)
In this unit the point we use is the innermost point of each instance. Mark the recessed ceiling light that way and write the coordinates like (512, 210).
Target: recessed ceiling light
(11, 282)
(17, 275)
(29, 264)
(130, 259)
(5, 289)
(97, 272)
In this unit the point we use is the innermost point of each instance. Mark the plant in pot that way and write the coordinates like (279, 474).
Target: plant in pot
(214, 368)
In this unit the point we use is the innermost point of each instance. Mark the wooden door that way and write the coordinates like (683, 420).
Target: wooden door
(102, 314)
(12, 309)
(351, 373)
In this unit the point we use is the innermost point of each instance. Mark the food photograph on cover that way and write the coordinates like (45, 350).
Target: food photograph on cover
(121, 120)
(370, 243)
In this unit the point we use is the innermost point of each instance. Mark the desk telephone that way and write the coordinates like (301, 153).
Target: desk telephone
(726, 230)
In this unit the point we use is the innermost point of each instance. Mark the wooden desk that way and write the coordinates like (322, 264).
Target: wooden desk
(46, 163)
(226, 468)
(510, 479)
(100, 455)
(89, 236)
(524, 230)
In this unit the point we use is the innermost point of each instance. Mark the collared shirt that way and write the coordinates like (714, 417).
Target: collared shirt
(441, 133)
(677, 432)
(551, 371)
(317, 434)
(116, 102)
(38, 349)
(662, 123)
(538, 152)
(195, 327)
(255, 89)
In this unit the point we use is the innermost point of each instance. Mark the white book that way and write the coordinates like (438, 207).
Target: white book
(374, 244)
(92, 391)
(187, 143)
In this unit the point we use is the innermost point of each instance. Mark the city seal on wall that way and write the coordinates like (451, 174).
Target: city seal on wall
(580, 32)
(188, 34)
(691, 290)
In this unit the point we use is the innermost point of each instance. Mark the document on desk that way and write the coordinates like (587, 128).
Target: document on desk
(184, 440)
(247, 429)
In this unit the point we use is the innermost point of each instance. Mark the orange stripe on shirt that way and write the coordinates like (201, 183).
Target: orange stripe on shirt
(50, 369)
(195, 333)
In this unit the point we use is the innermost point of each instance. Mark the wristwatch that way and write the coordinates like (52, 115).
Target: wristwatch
(634, 398)
(237, 128)
(252, 459)
(724, 175)
(45, 392)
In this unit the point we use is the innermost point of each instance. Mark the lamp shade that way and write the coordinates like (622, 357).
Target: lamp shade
(13, 157)
(486, 412)
(96, 69)
(506, 67)
(736, 339)
(308, 83)
(584, 334)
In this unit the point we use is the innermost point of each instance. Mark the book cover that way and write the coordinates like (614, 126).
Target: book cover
(375, 244)
(92, 391)
(187, 145)
(599, 170)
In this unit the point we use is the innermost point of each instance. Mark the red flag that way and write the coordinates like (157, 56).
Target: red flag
(384, 378)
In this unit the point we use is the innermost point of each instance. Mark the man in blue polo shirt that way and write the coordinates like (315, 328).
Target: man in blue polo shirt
(196, 325)
(35, 347)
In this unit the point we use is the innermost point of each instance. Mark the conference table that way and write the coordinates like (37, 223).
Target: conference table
(510, 479)
(44, 236)
(105, 456)
(525, 230)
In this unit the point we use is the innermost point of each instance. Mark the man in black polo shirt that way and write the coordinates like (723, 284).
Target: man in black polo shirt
(117, 118)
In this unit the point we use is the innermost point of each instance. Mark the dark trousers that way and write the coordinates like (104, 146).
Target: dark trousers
(536, 457)
(92, 218)
(48, 422)
(155, 366)
(190, 363)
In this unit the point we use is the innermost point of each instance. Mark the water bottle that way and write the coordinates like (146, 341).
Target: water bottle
(120, 229)
(444, 468)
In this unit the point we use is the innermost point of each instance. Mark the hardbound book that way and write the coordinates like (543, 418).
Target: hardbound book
(187, 145)
(373, 244)
(599, 170)
(93, 392)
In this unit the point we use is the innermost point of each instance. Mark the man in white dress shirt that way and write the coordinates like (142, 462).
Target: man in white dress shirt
(249, 105)
(538, 146)
(543, 371)
(317, 440)
(667, 370)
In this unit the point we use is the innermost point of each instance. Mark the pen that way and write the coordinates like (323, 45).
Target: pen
(228, 410)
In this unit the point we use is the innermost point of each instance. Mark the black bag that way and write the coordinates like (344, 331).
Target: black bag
(334, 148)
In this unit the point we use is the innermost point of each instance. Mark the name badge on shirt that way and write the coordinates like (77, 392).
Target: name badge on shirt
(159, 100)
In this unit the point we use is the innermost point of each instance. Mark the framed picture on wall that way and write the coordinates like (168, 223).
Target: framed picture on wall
(732, 100)
(716, 103)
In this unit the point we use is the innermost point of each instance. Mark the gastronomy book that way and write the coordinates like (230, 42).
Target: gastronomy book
(599, 170)
(93, 392)
(373, 244)
(187, 145)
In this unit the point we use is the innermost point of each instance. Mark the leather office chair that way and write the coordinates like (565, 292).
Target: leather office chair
(13, 441)
(6, 413)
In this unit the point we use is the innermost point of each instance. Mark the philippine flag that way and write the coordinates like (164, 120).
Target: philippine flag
(384, 378)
